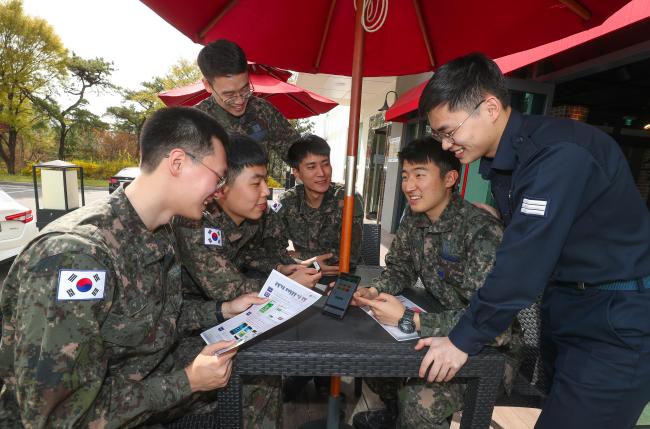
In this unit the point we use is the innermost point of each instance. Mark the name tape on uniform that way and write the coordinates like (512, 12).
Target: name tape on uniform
(276, 206)
(212, 237)
(81, 285)
(533, 207)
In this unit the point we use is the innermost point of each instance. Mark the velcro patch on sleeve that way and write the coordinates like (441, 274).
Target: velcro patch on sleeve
(212, 237)
(534, 207)
(81, 285)
(276, 206)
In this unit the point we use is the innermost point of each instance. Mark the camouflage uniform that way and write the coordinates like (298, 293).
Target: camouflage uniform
(313, 231)
(101, 363)
(216, 270)
(452, 257)
(215, 275)
(260, 121)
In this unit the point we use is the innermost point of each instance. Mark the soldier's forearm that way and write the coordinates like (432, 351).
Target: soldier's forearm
(438, 324)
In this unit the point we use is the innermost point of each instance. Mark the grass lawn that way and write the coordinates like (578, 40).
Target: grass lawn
(4, 177)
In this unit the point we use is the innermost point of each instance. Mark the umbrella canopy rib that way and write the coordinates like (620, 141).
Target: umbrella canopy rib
(215, 20)
(323, 39)
(425, 33)
(577, 8)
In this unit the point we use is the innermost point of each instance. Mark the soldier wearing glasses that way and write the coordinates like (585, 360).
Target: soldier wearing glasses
(93, 308)
(577, 231)
(225, 76)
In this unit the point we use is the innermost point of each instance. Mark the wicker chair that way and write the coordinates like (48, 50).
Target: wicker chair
(531, 384)
(370, 243)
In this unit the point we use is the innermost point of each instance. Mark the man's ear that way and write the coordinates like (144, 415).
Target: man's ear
(494, 107)
(221, 193)
(207, 85)
(175, 161)
(296, 173)
(451, 178)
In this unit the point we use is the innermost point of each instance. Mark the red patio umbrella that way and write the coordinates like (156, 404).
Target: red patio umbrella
(369, 38)
(635, 11)
(294, 102)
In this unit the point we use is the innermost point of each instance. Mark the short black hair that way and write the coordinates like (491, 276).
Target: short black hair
(244, 152)
(186, 128)
(462, 84)
(303, 146)
(427, 149)
(221, 58)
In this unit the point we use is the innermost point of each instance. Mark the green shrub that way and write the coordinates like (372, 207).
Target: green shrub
(94, 169)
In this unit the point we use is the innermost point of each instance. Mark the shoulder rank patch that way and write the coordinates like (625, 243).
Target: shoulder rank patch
(534, 207)
(81, 285)
(212, 237)
(275, 206)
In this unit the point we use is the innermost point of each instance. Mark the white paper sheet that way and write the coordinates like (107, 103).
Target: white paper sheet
(394, 330)
(286, 298)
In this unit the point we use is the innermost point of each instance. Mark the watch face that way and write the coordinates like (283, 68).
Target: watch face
(406, 326)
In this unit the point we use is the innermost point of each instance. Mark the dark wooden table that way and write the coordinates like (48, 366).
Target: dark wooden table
(318, 345)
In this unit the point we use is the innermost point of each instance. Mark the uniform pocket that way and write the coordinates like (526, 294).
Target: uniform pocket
(628, 316)
(128, 331)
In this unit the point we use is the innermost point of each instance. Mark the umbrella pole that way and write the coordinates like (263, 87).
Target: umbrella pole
(350, 177)
(353, 142)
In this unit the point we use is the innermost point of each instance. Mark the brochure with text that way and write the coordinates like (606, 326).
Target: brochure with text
(286, 298)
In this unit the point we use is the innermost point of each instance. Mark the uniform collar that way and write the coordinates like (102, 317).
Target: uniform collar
(224, 115)
(447, 220)
(325, 206)
(505, 158)
(151, 246)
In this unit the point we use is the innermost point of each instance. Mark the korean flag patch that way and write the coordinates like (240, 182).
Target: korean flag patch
(81, 285)
(534, 207)
(276, 206)
(212, 237)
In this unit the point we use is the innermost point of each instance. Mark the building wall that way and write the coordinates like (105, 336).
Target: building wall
(392, 187)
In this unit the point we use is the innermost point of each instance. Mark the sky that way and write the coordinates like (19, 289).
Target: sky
(138, 42)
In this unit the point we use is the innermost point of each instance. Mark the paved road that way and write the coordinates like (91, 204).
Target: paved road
(24, 194)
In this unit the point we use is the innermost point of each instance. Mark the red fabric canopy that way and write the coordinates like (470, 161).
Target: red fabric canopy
(327, 36)
(633, 12)
(316, 36)
(292, 101)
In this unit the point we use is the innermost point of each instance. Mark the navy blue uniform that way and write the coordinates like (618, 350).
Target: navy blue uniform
(573, 215)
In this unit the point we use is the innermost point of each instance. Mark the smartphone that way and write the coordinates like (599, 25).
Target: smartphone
(338, 301)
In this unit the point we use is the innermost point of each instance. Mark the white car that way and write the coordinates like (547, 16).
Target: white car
(17, 226)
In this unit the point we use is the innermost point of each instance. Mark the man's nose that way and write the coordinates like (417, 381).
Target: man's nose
(447, 144)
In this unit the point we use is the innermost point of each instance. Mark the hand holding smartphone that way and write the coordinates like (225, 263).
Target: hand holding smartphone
(341, 294)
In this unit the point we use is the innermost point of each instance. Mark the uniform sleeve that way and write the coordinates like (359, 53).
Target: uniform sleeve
(216, 276)
(275, 237)
(558, 184)
(400, 268)
(281, 133)
(255, 256)
(331, 233)
(60, 362)
(481, 249)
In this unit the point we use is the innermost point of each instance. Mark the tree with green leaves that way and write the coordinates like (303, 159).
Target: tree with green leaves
(139, 104)
(31, 58)
(82, 75)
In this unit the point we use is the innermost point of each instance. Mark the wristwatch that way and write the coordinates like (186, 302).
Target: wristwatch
(220, 318)
(406, 324)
